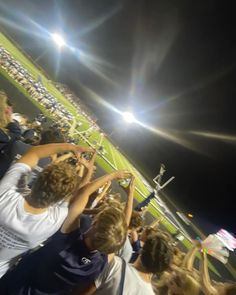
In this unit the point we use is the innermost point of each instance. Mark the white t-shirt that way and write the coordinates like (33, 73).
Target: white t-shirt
(21, 230)
(108, 282)
(126, 251)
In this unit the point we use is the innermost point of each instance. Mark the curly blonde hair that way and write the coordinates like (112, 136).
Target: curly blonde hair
(56, 182)
(4, 117)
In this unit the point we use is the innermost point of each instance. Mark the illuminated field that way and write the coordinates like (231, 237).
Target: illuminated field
(114, 158)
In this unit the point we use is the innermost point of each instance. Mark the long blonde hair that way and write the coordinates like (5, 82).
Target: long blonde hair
(4, 117)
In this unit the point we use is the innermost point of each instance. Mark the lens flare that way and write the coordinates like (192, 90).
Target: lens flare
(59, 40)
(128, 117)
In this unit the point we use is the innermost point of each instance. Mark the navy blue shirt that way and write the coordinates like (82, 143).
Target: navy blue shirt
(57, 268)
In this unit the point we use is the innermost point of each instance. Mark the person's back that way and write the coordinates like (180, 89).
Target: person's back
(28, 218)
(110, 280)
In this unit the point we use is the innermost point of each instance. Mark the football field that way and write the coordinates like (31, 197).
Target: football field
(112, 159)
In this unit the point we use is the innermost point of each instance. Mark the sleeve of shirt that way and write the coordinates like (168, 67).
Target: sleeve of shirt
(13, 176)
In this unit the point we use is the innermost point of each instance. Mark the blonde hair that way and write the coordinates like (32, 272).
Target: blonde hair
(136, 220)
(110, 230)
(116, 197)
(56, 182)
(187, 285)
(114, 203)
(4, 117)
(191, 286)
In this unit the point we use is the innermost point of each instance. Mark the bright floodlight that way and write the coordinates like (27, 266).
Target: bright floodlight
(128, 117)
(58, 39)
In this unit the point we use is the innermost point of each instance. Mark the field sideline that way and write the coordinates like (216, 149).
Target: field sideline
(115, 159)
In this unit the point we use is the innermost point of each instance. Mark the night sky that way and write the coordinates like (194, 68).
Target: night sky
(172, 63)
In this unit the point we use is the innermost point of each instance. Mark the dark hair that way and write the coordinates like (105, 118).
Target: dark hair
(54, 183)
(156, 254)
(51, 135)
(9, 103)
(230, 289)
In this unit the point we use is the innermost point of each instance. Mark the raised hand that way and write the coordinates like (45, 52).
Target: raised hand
(88, 163)
(123, 174)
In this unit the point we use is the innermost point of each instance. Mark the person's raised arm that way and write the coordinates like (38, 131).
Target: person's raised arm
(204, 276)
(190, 257)
(89, 166)
(101, 195)
(81, 199)
(33, 155)
(62, 158)
(130, 200)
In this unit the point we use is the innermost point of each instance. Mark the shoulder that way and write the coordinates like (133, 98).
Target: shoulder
(58, 212)
(60, 241)
(18, 168)
(110, 274)
(13, 175)
(136, 282)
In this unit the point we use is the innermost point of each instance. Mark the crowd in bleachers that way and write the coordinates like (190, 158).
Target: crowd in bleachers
(74, 99)
(38, 92)
(62, 231)
(33, 86)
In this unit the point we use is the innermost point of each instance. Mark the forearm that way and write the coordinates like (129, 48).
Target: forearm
(63, 157)
(129, 208)
(101, 195)
(32, 156)
(129, 203)
(86, 178)
(46, 150)
(205, 278)
(189, 258)
(96, 184)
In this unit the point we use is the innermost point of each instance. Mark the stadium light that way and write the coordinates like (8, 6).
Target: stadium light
(58, 39)
(128, 117)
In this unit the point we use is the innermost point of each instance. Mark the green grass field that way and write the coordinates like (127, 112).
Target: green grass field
(114, 158)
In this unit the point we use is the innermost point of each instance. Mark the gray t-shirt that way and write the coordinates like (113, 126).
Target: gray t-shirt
(108, 282)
